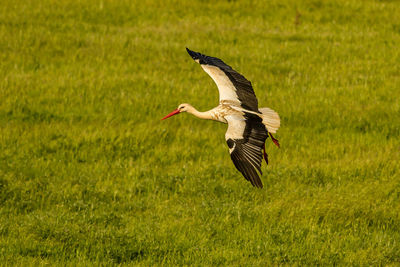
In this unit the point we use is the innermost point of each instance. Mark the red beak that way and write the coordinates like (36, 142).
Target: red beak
(176, 111)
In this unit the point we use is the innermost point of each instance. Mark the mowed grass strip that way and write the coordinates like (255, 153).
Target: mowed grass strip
(90, 176)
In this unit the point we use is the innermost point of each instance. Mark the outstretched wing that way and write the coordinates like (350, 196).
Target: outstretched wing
(232, 86)
(245, 137)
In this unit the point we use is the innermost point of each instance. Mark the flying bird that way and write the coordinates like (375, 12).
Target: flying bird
(248, 125)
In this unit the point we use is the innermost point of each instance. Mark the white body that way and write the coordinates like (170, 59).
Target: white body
(233, 115)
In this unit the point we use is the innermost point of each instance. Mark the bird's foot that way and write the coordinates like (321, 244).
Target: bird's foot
(276, 142)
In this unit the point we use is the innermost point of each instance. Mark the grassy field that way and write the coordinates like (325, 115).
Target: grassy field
(89, 175)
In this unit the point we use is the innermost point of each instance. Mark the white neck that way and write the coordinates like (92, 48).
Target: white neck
(202, 115)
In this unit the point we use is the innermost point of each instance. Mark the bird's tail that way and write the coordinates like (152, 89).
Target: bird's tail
(270, 119)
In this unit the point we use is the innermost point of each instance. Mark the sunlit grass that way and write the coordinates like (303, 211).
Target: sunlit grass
(89, 174)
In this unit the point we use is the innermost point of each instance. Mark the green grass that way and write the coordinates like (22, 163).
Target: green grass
(89, 175)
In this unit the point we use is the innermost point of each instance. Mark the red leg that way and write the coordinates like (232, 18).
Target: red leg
(265, 155)
(276, 142)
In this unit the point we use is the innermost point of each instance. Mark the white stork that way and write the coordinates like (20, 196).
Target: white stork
(248, 126)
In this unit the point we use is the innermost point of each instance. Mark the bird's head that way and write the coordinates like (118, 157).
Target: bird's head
(184, 107)
(181, 108)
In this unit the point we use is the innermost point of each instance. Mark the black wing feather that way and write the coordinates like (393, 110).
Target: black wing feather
(245, 167)
(247, 152)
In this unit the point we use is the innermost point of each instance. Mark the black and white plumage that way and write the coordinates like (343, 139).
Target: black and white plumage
(231, 85)
(248, 126)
